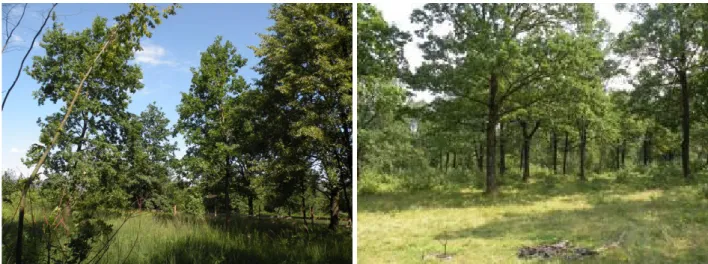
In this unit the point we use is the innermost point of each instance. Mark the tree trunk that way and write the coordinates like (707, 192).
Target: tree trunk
(502, 158)
(334, 209)
(526, 148)
(524, 152)
(685, 121)
(347, 202)
(522, 157)
(480, 158)
(647, 148)
(454, 160)
(554, 151)
(250, 205)
(583, 137)
(440, 163)
(447, 160)
(565, 154)
(492, 120)
(312, 215)
(304, 210)
(618, 161)
(227, 189)
(526, 168)
(624, 152)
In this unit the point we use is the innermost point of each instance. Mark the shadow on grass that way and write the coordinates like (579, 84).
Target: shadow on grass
(240, 240)
(196, 250)
(670, 228)
(515, 193)
(243, 224)
(34, 242)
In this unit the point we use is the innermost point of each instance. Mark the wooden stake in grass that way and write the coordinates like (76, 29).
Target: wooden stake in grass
(443, 241)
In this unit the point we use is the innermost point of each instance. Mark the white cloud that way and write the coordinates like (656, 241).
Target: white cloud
(15, 150)
(16, 38)
(153, 55)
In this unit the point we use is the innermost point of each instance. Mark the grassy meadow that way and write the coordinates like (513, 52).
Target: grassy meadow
(149, 237)
(652, 218)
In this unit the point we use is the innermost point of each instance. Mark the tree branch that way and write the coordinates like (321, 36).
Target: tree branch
(7, 22)
(19, 71)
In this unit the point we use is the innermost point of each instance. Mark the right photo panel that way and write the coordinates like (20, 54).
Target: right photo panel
(515, 133)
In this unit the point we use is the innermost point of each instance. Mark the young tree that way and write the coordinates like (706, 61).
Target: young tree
(205, 114)
(308, 82)
(149, 155)
(99, 101)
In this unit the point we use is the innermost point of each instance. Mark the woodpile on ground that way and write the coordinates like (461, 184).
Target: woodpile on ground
(563, 249)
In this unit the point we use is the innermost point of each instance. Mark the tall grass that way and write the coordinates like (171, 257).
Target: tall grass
(161, 238)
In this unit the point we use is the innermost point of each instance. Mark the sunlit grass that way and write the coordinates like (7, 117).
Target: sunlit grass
(161, 238)
(652, 225)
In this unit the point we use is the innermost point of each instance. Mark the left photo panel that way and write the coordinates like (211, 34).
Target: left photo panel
(177, 133)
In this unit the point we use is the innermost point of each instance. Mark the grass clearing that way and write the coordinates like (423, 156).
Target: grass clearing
(655, 225)
(161, 238)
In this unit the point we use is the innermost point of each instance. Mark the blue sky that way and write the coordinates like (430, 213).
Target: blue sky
(165, 61)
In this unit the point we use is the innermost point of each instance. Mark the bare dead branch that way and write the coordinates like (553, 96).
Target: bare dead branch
(19, 70)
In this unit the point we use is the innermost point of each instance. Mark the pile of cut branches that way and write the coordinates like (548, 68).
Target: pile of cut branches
(562, 249)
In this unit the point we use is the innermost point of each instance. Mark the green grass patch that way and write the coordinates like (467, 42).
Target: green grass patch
(653, 222)
(161, 238)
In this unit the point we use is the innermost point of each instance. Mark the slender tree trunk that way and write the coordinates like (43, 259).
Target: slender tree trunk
(554, 151)
(618, 157)
(334, 209)
(304, 210)
(685, 121)
(526, 170)
(524, 152)
(447, 160)
(583, 138)
(440, 164)
(492, 120)
(454, 160)
(624, 152)
(565, 154)
(312, 215)
(502, 158)
(347, 203)
(480, 157)
(526, 148)
(227, 188)
(250, 205)
(522, 157)
(647, 148)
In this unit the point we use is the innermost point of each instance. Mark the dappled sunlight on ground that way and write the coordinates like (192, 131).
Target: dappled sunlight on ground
(652, 225)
